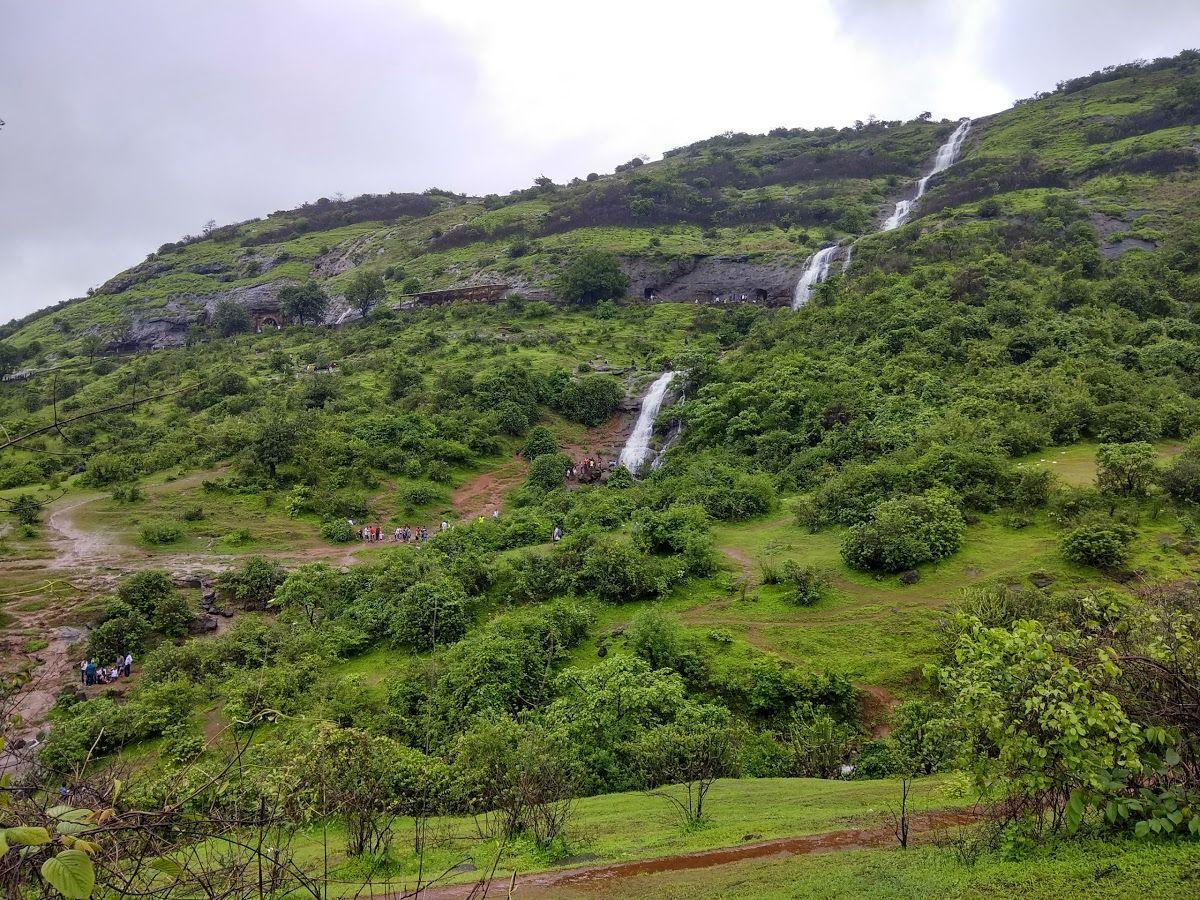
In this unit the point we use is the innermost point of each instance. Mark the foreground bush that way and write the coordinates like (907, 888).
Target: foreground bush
(901, 534)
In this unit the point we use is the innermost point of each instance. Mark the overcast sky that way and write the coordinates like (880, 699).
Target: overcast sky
(132, 122)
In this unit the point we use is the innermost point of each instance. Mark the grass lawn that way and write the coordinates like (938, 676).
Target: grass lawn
(1091, 869)
(631, 826)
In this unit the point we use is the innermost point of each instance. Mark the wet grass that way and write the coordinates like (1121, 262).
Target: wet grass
(1092, 869)
(631, 826)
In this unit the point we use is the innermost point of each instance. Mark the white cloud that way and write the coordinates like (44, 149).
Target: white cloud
(131, 122)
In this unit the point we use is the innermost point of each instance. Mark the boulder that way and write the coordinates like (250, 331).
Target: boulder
(1042, 579)
(203, 625)
(912, 576)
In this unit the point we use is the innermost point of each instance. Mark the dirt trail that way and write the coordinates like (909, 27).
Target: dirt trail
(92, 561)
(606, 879)
(485, 493)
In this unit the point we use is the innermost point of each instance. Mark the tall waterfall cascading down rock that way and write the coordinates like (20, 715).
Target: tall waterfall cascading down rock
(946, 155)
(637, 451)
(814, 272)
(816, 269)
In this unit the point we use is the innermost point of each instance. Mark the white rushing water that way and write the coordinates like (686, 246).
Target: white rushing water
(946, 155)
(814, 272)
(637, 449)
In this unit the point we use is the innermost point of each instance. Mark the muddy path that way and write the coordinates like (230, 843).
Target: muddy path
(80, 562)
(608, 879)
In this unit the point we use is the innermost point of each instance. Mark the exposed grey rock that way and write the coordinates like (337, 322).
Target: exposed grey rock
(1041, 579)
(203, 625)
(208, 268)
(912, 576)
(707, 278)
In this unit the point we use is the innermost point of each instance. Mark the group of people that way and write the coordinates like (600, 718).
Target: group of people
(589, 470)
(92, 673)
(374, 534)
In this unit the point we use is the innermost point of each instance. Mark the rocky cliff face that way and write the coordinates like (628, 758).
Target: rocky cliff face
(692, 278)
(708, 278)
(168, 328)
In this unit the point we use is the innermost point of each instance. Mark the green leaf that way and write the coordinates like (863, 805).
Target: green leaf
(1141, 829)
(71, 874)
(1171, 757)
(3, 844)
(29, 836)
(167, 867)
(1194, 825)
(73, 821)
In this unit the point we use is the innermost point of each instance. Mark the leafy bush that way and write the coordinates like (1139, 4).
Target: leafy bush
(591, 399)
(616, 572)
(337, 531)
(254, 584)
(1102, 543)
(808, 583)
(161, 531)
(592, 276)
(539, 442)
(430, 613)
(901, 534)
(548, 472)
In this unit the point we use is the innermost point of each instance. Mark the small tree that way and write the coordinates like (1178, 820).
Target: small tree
(692, 752)
(1126, 469)
(308, 592)
(304, 302)
(1036, 723)
(274, 443)
(365, 290)
(254, 584)
(593, 276)
(230, 318)
(27, 509)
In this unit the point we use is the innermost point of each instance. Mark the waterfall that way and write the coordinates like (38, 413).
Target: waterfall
(846, 261)
(946, 155)
(814, 272)
(637, 449)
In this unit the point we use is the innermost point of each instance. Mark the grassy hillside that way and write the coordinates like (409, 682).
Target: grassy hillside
(938, 523)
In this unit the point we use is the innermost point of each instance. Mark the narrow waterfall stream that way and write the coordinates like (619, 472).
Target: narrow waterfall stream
(946, 156)
(637, 450)
(816, 269)
(814, 272)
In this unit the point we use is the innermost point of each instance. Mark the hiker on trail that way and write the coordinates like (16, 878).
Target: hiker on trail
(128, 664)
(558, 533)
(445, 525)
(396, 536)
(366, 534)
(495, 514)
(83, 671)
(114, 674)
(90, 673)
(424, 534)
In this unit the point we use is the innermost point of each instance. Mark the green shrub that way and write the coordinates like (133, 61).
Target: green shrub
(592, 276)
(539, 442)
(808, 583)
(548, 472)
(904, 533)
(161, 531)
(337, 531)
(192, 514)
(1104, 544)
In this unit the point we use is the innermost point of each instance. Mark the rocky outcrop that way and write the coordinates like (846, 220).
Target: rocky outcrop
(168, 327)
(713, 278)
